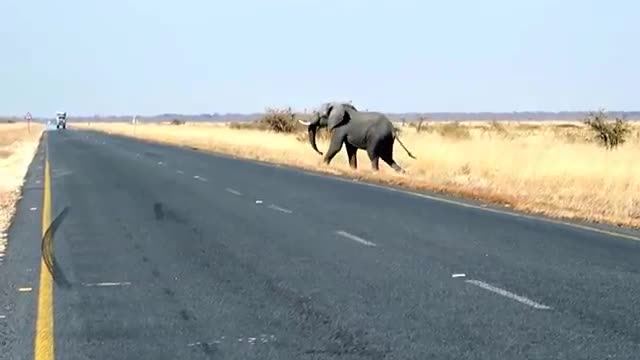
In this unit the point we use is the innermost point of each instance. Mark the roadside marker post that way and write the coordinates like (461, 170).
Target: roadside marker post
(28, 118)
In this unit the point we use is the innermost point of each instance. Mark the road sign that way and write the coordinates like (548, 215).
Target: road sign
(28, 118)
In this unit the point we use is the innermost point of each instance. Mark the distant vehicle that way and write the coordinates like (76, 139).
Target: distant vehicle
(61, 119)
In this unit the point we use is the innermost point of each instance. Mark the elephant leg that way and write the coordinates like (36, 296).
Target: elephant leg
(334, 147)
(386, 153)
(394, 165)
(374, 157)
(351, 153)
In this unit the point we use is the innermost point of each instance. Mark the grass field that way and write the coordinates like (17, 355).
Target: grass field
(17, 148)
(554, 168)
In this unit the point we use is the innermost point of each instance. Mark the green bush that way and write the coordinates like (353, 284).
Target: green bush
(609, 134)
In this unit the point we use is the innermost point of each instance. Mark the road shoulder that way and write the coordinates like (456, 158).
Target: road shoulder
(21, 266)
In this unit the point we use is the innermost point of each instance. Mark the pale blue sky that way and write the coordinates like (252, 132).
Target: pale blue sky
(205, 56)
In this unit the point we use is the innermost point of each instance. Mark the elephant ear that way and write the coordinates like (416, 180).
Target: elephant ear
(337, 115)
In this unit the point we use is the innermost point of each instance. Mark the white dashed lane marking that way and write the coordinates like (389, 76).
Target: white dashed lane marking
(253, 340)
(180, 172)
(197, 177)
(278, 208)
(234, 192)
(355, 238)
(508, 294)
(106, 284)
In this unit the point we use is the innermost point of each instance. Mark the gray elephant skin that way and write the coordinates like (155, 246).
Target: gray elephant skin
(366, 130)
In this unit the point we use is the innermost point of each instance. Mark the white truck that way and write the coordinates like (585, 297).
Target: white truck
(61, 119)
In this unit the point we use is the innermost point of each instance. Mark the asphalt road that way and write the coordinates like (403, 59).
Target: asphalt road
(169, 253)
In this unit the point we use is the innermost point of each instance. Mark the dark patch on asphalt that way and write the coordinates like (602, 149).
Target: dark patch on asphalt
(344, 342)
(209, 349)
(169, 292)
(158, 211)
(185, 315)
(137, 246)
(152, 154)
(161, 214)
(145, 259)
(46, 248)
(155, 273)
(197, 232)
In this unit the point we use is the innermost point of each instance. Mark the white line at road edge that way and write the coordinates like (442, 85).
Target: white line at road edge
(508, 294)
(483, 207)
(104, 284)
(355, 238)
(234, 192)
(461, 203)
(278, 208)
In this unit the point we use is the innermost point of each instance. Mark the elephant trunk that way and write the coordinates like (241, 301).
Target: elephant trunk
(313, 129)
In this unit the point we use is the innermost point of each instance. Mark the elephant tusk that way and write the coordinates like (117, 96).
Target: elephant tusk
(304, 122)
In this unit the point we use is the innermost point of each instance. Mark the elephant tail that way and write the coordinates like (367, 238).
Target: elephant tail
(405, 148)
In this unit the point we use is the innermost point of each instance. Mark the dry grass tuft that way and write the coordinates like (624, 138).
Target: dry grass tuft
(554, 168)
(17, 148)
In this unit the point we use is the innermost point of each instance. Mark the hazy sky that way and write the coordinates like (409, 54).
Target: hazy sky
(205, 56)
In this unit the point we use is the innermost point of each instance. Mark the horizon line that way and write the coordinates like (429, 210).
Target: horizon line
(244, 114)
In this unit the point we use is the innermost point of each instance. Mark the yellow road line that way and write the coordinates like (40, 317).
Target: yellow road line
(43, 346)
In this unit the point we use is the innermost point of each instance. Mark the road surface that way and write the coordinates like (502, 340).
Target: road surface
(170, 253)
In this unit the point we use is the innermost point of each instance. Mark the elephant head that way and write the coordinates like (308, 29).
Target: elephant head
(329, 115)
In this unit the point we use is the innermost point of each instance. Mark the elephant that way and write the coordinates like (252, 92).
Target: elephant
(370, 130)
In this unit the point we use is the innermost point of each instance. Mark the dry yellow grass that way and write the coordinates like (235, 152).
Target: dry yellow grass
(17, 148)
(549, 168)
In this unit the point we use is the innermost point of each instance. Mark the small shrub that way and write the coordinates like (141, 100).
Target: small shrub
(454, 130)
(498, 127)
(279, 120)
(528, 127)
(608, 134)
(247, 125)
(177, 122)
(419, 127)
